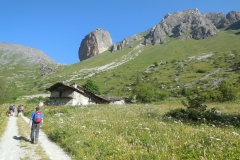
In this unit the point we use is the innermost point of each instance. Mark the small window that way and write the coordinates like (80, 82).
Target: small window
(60, 94)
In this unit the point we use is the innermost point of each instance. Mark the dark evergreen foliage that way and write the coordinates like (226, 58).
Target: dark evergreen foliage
(91, 86)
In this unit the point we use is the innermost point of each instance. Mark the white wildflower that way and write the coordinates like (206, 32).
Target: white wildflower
(146, 128)
(103, 121)
(163, 123)
(235, 133)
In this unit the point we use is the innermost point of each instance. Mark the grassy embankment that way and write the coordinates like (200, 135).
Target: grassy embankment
(140, 132)
(3, 118)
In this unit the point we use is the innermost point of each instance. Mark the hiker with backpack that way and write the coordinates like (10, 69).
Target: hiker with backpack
(36, 121)
(11, 109)
(19, 110)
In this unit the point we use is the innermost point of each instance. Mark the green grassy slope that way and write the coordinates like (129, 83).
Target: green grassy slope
(175, 67)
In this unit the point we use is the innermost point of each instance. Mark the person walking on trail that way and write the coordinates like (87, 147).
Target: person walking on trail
(36, 121)
(22, 109)
(10, 109)
(13, 110)
(19, 110)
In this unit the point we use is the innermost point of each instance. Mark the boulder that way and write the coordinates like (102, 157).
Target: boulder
(94, 43)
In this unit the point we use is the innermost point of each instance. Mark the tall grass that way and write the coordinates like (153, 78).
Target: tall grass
(137, 132)
(3, 118)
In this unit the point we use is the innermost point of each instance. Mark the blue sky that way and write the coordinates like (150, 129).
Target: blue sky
(57, 27)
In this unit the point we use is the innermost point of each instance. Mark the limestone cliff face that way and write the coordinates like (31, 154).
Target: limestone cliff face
(94, 43)
(182, 25)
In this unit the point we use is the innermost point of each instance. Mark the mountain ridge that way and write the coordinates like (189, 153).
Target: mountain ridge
(192, 24)
(30, 55)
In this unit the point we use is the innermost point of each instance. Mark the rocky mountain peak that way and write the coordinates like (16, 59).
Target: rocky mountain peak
(183, 25)
(94, 43)
(229, 19)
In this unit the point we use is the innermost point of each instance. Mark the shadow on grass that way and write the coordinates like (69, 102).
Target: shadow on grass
(237, 33)
(203, 117)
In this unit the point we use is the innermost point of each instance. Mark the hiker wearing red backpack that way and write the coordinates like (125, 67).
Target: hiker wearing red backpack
(36, 121)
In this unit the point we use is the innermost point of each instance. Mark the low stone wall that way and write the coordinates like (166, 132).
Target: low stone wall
(35, 96)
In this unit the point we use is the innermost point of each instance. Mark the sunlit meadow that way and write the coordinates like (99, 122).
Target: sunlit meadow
(3, 118)
(138, 132)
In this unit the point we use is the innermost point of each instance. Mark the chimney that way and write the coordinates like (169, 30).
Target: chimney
(74, 85)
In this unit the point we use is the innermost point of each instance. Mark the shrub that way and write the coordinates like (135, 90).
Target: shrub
(195, 103)
(91, 86)
(144, 92)
(184, 92)
(160, 95)
(228, 92)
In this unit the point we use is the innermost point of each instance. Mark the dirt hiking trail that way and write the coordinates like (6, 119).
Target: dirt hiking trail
(15, 143)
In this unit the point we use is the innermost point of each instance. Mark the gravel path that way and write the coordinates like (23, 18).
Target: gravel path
(10, 144)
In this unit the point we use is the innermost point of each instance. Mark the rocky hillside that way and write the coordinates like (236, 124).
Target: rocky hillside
(189, 24)
(182, 25)
(94, 43)
(221, 20)
(16, 53)
(12, 55)
(23, 67)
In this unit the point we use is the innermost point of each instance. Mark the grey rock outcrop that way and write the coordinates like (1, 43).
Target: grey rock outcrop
(182, 25)
(220, 20)
(215, 17)
(127, 41)
(94, 43)
(229, 19)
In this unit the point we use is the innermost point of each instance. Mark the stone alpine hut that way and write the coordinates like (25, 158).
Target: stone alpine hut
(64, 94)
